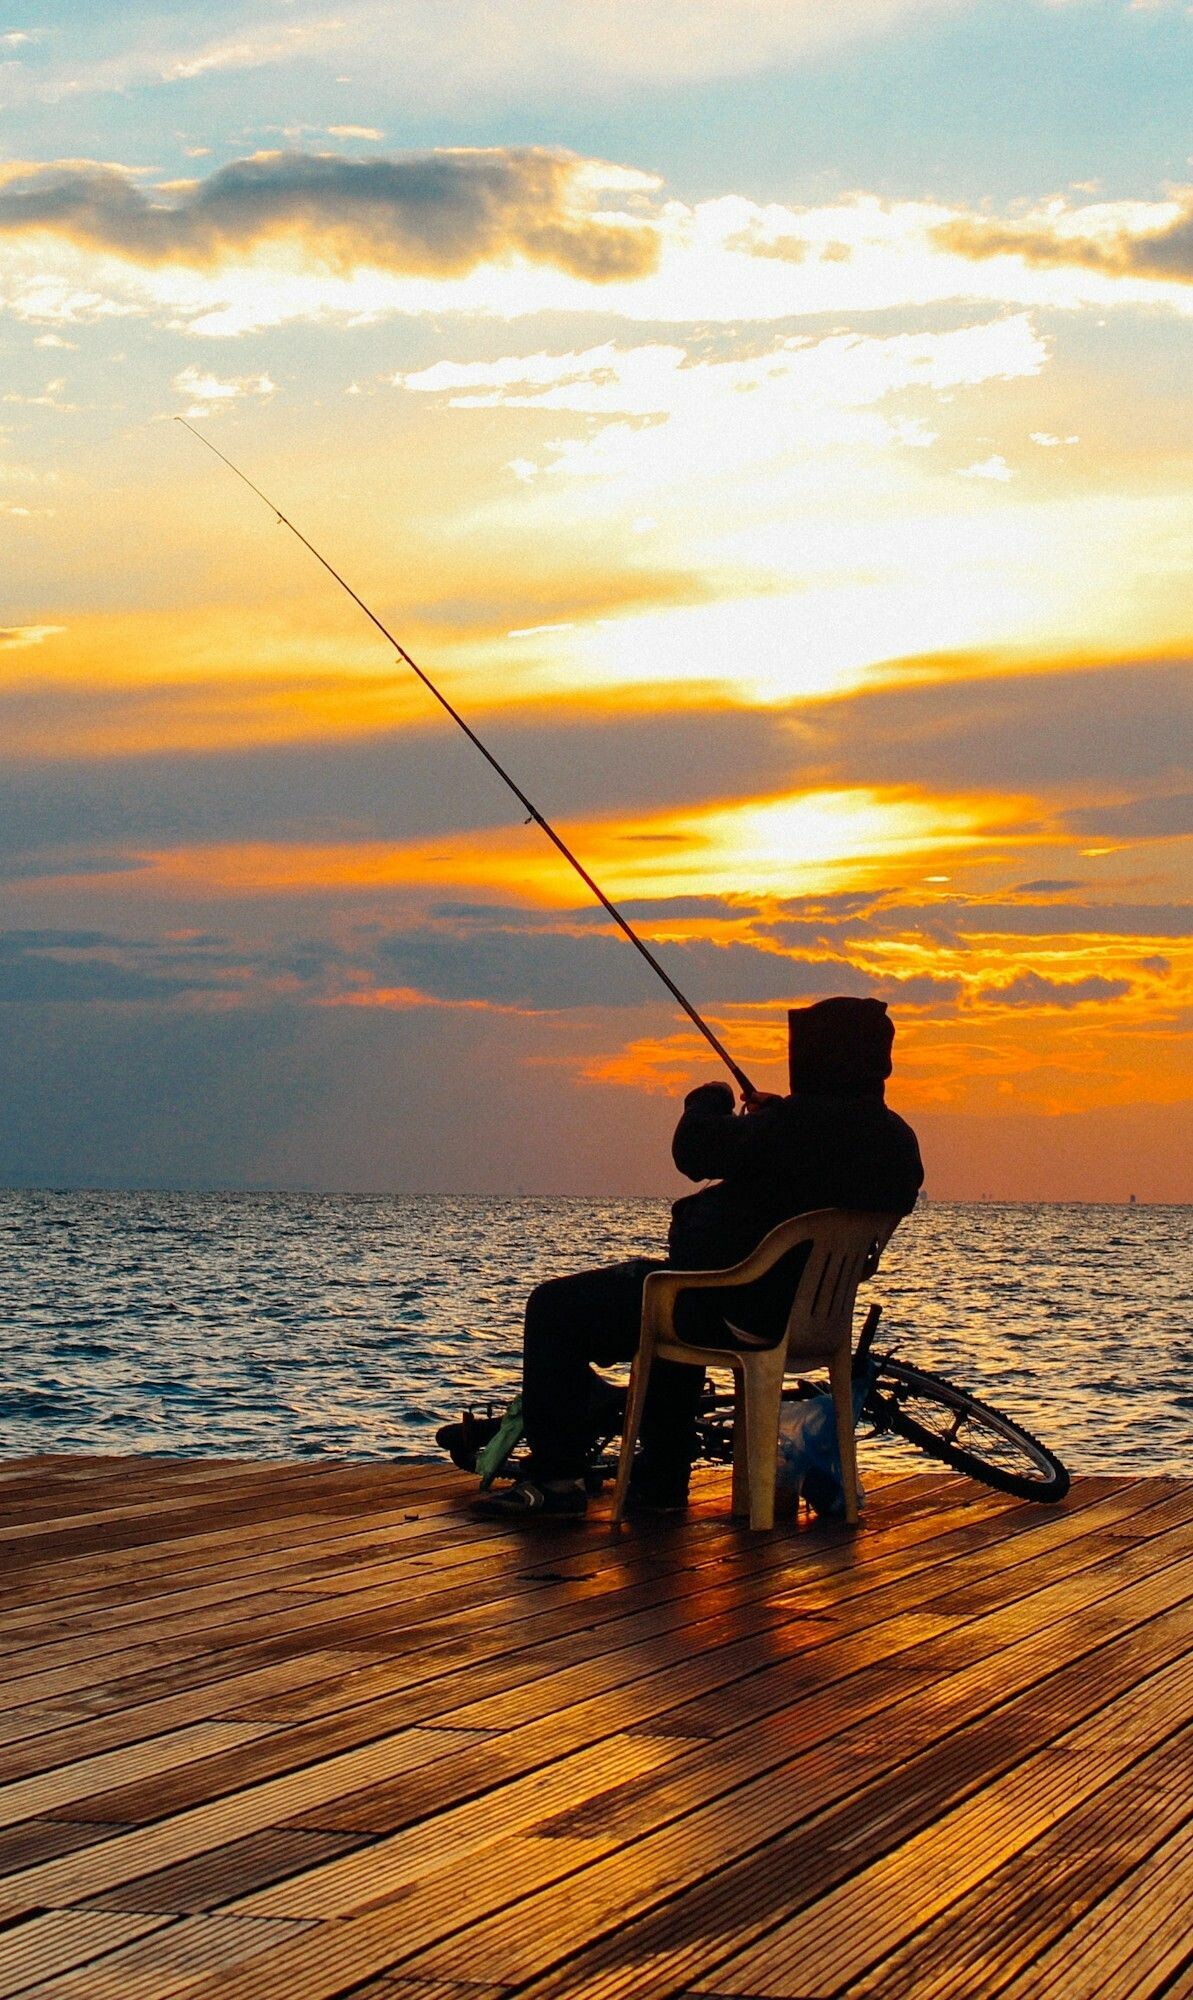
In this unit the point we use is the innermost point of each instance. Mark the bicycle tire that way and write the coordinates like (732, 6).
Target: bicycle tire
(996, 1450)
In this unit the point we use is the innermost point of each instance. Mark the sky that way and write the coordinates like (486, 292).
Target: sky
(766, 421)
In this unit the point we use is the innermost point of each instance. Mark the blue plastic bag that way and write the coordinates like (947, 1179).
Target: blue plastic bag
(809, 1457)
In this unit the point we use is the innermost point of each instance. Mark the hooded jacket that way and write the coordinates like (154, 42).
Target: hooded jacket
(833, 1143)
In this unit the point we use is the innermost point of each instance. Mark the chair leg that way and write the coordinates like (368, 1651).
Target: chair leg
(841, 1378)
(739, 1505)
(763, 1385)
(631, 1425)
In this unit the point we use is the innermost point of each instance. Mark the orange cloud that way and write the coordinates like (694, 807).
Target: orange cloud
(402, 998)
(758, 846)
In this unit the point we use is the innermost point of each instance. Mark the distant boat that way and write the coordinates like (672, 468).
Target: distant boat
(1131, 1200)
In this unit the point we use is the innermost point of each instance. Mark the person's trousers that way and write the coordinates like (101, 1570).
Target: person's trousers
(597, 1316)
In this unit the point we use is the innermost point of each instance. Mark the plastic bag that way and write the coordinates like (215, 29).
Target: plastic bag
(809, 1458)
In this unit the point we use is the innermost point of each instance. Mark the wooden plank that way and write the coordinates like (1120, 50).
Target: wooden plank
(821, 1705)
(128, 1855)
(449, 1902)
(86, 1582)
(60, 1939)
(36, 1840)
(378, 1871)
(234, 1870)
(428, 1989)
(1133, 1943)
(817, 1952)
(71, 1783)
(580, 1767)
(265, 1759)
(1032, 1903)
(899, 1776)
(178, 1957)
(311, 1540)
(742, 1577)
(595, 1550)
(87, 1734)
(138, 1524)
(158, 1593)
(776, 1650)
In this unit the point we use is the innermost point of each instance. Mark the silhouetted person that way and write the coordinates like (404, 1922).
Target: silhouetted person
(831, 1144)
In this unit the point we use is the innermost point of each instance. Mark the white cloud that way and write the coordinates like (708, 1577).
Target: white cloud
(845, 369)
(994, 467)
(664, 408)
(449, 52)
(208, 392)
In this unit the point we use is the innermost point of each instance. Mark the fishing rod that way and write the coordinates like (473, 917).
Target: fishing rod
(557, 841)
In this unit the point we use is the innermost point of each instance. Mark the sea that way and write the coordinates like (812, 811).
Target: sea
(325, 1326)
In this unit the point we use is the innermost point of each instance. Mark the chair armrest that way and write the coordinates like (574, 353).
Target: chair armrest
(661, 1290)
(666, 1286)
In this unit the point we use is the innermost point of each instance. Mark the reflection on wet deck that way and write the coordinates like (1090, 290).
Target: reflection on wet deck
(297, 1731)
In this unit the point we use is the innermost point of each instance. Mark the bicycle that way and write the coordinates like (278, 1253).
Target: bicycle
(940, 1419)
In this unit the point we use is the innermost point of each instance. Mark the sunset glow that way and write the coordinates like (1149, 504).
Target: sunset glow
(802, 510)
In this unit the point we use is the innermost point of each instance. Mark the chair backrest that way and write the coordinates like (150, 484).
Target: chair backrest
(845, 1246)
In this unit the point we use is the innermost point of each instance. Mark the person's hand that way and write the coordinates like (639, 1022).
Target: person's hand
(710, 1097)
(757, 1100)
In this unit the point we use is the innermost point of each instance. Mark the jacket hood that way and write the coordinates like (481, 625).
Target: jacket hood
(840, 1047)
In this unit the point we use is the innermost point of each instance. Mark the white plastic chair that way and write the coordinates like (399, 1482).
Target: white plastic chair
(845, 1246)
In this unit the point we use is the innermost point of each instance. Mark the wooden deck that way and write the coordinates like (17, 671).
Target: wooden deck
(285, 1732)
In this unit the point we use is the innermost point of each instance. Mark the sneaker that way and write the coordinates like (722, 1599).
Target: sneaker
(526, 1500)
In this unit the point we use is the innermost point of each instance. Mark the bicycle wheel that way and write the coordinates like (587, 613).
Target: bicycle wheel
(957, 1428)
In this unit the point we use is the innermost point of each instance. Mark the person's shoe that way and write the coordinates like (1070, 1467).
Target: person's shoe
(527, 1500)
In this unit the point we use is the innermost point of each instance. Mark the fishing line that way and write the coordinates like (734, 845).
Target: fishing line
(540, 821)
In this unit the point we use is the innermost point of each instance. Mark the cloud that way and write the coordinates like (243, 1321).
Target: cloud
(1032, 989)
(449, 53)
(1092, 239)
(438, 214)
(47, 968)
(994, 467)
(394, 786)
(964, 918)
(549, 971)
(1046, 887)
(14, 638)
(669, 407)
(515, 962)
(209, 391)
(1080, 734)
(1169, 816)
(1043, 732)
(506, 232)
(653, 380)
